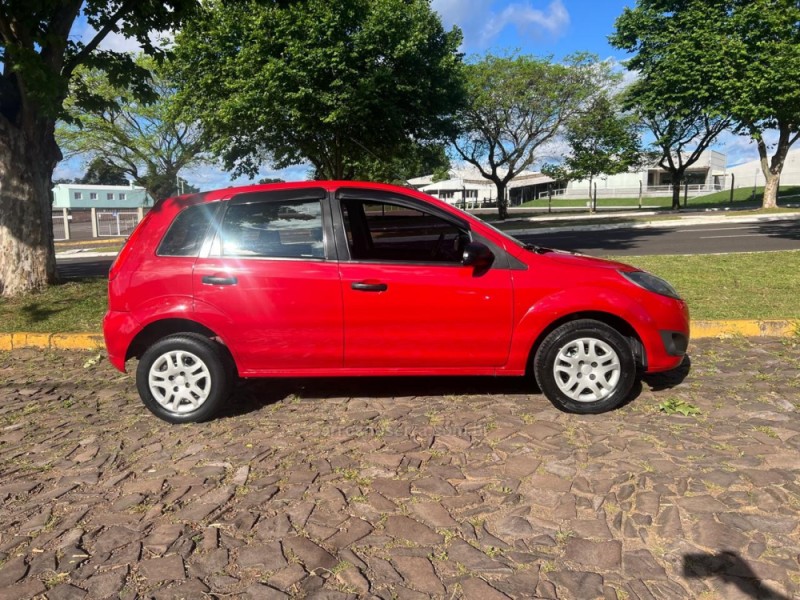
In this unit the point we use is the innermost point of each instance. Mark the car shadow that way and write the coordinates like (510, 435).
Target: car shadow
(251, 395)
(732, 569)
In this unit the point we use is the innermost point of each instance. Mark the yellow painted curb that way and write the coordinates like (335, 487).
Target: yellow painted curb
(55, 341)
(700, 330)
(746, 328)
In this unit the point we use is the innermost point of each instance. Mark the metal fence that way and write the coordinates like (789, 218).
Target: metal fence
(116, 223)
(60, 225)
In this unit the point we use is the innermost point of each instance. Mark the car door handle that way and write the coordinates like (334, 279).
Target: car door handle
(366, 286)
(216, 280)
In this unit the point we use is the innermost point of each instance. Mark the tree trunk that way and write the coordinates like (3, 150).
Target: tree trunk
(27, 254)
(676, 193)
(502, 205)
(770, 199)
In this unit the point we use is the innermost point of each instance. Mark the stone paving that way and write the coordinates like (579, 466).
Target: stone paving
(398, 488)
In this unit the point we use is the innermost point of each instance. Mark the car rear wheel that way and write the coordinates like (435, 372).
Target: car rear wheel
(585, 366)
(183, 378)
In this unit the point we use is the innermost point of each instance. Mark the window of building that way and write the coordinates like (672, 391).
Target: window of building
(281, 229)
(122, 195)
(384, 231)
(78, 196)
(110, 196)
(92, 195)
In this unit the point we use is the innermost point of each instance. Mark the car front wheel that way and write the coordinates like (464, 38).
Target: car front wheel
(585, 366)
(183, 378)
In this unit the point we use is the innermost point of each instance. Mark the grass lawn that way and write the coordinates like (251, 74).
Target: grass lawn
(75, 306)
(759, 285)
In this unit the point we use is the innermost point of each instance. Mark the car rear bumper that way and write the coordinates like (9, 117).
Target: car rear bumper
(119, 329)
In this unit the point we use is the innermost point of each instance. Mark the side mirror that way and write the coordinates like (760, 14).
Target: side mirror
(477, 255)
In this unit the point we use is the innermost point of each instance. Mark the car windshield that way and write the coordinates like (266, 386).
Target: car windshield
(495, 229)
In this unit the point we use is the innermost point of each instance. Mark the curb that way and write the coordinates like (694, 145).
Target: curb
(782, 328)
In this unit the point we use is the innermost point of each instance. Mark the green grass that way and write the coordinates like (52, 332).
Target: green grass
(758, 285)
(76, 306)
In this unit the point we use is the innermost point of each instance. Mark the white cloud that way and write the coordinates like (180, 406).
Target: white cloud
(212, 177)
(482, 25)
(83, 32)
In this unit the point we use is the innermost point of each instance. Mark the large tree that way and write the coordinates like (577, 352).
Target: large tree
(735, 58)
(603, 140)
(101, 172)
(39, 53)
(681, 132)
(516, 105)
(147, 141)
(331, 82)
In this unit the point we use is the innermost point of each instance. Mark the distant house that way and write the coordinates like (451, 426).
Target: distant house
(75, 195)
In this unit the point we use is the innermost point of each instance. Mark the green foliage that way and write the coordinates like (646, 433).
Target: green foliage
(675, 406)
(146, 141)
(516, 105)
(38, 55)
(102, 172)
(737, 59)
(602, 142)
(342, 84)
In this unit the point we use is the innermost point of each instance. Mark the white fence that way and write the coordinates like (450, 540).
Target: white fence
(116, 223)
(653, 191)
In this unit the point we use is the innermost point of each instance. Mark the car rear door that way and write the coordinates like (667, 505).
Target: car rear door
(269, 283)
(409, 303)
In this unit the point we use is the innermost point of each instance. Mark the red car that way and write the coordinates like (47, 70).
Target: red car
(346, 279)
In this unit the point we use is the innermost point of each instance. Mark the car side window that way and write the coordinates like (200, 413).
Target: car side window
(285, 229)
(385, 231)
(187, 232)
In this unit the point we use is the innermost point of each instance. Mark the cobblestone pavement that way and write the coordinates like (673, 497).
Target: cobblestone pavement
(404, 488)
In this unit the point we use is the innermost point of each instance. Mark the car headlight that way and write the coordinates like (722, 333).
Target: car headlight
(651, 283)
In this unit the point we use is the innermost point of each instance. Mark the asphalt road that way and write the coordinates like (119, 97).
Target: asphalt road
(697, 239)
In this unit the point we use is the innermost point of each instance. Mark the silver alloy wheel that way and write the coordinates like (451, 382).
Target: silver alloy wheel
(179, 381)
(587, 369)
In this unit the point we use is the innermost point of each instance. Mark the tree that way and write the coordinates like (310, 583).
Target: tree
(335, 83)
(102, 172)
(680, 137)
(737, 58)
(37, 60)
(516, 105)
(414, 161)
(602, 141)
(147, 141)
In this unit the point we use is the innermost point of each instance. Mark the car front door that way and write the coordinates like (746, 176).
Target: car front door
(269, 284)
(409, 303)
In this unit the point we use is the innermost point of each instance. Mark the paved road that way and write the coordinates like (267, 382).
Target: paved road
(697, 239)
(410, 489)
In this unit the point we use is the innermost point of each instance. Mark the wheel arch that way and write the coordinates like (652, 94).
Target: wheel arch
(162, 328)
(616, 322)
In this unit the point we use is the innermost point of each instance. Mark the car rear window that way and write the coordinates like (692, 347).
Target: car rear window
(187, 232)
(275, 229)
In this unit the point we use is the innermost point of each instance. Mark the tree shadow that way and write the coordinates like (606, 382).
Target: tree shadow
(36, 312)
(789, 230)
(729, 568)
(83, 269)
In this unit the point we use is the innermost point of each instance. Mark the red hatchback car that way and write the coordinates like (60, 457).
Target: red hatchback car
(345, 279)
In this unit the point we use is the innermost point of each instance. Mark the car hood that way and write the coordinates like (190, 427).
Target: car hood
(572, 259)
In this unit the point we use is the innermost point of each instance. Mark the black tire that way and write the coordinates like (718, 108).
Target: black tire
(203, 377)
(590, 384)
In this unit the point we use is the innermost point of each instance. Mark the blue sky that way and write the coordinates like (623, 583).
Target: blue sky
(540, 27)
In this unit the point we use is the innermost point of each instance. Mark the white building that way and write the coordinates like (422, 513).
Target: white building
(76, 195)
(750, 174)
(707, 175)
(467, 187)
